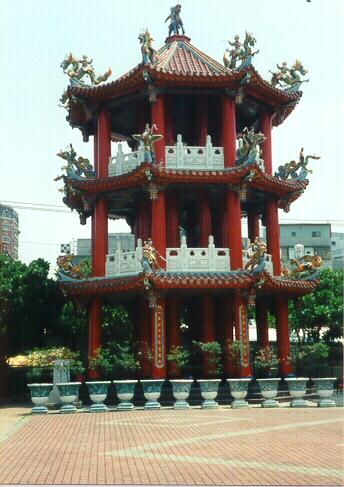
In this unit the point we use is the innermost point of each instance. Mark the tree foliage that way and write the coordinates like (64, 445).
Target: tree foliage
(323, 308)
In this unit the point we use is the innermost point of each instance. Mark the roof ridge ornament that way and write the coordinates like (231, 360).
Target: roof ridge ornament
(77, 69)
(289, 79)
(242, 52)
(289, 171)
(147, 50)
(176, 22)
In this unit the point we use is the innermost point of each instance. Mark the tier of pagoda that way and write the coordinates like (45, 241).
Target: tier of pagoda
(190, 200)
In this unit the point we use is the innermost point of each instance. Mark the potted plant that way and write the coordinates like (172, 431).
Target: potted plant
(101, 363)
(178, 357)
(152, 392)
(297, 385)
(211, 354)
(126, 365)
(265, 364)
(238, 386)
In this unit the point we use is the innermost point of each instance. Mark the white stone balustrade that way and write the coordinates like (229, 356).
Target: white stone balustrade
(123, 163)
(124, 262)
(181, 156)
(206, 259)
(246, 256)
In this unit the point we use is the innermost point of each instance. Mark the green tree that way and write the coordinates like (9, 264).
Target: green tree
(323, 308)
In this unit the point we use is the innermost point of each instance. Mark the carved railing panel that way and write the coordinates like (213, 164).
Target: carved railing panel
(123, 163)
(200, 158)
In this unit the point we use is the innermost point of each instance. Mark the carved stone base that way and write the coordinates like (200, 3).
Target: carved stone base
(270, 403)
(209, 404)
(326, 403)
(39, 410)
(68, 408)
(239, 404)
(181, 404)
(298, 403)
(125, 406)
(98, 408)
(152, 405)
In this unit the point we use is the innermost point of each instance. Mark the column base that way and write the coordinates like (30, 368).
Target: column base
(68, 408)
(239, 404)
(270, 403)
(209, 404)
(98, 408)
(326, 403)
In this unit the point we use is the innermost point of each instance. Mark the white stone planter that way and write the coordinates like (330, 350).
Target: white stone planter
(181, 391)
(68, 392)
(238, 388)
(125, 393)
(297, 390)
(40, 396)
(269, 389)
(209, 390)
(325, 391)
(152, 392)
(98, 392)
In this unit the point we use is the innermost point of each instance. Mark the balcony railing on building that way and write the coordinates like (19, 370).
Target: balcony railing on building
(179, 259)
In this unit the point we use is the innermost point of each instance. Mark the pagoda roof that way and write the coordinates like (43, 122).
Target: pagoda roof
(264, 283)
(179, 63)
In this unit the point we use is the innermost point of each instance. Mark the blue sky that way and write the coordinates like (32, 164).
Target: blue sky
(37, 34)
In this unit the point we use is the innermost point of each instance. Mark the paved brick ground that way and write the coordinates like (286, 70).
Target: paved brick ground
(223, 447)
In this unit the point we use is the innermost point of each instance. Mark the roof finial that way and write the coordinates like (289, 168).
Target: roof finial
(148, 53)
(176, 21)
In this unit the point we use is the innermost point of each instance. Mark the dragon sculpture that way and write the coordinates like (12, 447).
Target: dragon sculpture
(66, 268)
(148, 53)
(76, 167)
(241, 53)
(248, 151)
(77, 69)
(296, 171)
(256, 253)
(289, 79)
(176, 22)
(305, 268)
(150, 258)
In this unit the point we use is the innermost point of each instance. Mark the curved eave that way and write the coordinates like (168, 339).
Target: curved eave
(240, 280)
(132, 81)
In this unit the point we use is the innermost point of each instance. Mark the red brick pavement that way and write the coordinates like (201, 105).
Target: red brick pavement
(223, 447)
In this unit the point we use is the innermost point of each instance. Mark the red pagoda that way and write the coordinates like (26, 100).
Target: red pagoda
(188, 191)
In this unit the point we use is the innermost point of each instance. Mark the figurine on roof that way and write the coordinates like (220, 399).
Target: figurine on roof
(306, 267)
(148, 53)
(289, 79)
(248, 151)
(256, 253)
(150, 257)
(76, 167)
(242, 53)
(77, 69)
(148, 138)
(66, 267)
(175, 21)
(290, 169)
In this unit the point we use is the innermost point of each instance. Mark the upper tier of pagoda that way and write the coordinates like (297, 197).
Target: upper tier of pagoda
(178, 65)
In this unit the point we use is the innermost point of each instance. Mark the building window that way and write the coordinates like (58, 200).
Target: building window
(284, 253)
(6, 214)
(293, 234)
(316, 234)
(6, 227)
(5, 239)
(333, 244)
(291, 252)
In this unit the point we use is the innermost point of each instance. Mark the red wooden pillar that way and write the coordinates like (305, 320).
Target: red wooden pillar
(233, 220)
(143, 330)
(202, 119)
(94, 330)
(252, 223)
(104, 142)
(228, 319)
(158, 118)
(266, 124)
(262, 323)
(273, 233)
(142, 225)
(283, 340)
(241, 333)
(158, 334)
(172, 216)
(159, 225)
(173, 332)
(228, 130)
(208, 325)
(169, 121)
(205, 227)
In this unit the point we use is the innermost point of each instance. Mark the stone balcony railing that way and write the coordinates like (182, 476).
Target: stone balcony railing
(268, 261)
(180, 259)
(123, 163)
(180, 156)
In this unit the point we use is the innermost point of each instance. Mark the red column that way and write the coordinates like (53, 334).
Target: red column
(143, 328)
(159, 225)
(95, 329)
(104, 142)
(205, 228)
(202, 120)
(158, 327)
(100, 235)
(228, 321)
(208, 325)
(143, 218)
(169, 121)
(262, 323)
(172, 216)
(158, 117)
(228, 130)
(173, 332)
(233, 219)
(241, 333)
(266, 123)
(273, 233)
(252, 223)
(283, 341)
